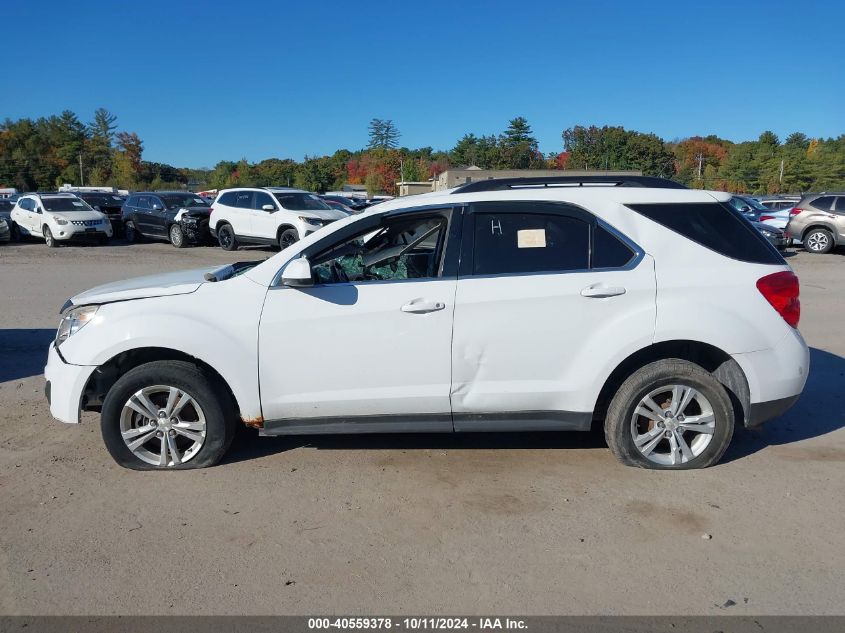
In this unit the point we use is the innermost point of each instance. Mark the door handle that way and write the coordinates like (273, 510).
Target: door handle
(419, 306)
(600, 291)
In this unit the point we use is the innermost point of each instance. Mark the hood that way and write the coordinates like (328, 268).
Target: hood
(167, 284)
(323, 214)
(78, 215)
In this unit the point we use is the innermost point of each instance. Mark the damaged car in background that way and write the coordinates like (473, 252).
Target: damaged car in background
(176, 216)
(525, 304)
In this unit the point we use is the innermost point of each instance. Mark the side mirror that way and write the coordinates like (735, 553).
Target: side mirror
(268, 207)
(38, 209)
(297, 274)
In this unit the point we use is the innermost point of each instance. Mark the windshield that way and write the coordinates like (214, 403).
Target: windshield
(65, 204)
(103, 200)
(300, 201)
(180, 200)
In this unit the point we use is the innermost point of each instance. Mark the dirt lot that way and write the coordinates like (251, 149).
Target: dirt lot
(535, 524)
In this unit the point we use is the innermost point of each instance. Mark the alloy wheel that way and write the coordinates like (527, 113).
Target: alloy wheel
(176, 236)
(163, 425)
(673, 424)
(817, 241)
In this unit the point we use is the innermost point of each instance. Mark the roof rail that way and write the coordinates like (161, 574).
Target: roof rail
(531, 182)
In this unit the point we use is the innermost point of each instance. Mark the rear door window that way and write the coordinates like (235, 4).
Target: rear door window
(243, 199)
(227, 199)
(608, 250)
(840, 204)
(715, 226)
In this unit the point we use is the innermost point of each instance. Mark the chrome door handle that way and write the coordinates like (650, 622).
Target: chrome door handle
(599, 291)
(418, 306)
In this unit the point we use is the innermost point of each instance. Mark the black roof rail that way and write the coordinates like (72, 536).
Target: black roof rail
(529, 182)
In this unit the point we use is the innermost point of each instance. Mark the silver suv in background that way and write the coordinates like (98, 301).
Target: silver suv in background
(818, 220)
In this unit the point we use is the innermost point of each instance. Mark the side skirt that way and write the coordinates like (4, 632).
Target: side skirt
(433, 423)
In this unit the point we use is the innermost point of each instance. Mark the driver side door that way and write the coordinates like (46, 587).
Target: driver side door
(363, 353)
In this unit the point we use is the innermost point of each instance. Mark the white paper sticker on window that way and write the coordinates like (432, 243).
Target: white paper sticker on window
(200, 200)
(531, 238)
(117, 198)
(77, 204)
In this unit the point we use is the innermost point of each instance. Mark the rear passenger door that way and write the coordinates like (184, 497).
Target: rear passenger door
(142, 214)
(242, 213)
(547, 300)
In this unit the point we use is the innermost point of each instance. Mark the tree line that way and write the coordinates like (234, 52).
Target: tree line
(47, 152)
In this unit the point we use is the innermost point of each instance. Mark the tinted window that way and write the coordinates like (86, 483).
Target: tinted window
(243, 199)
(143, 202)
(715, 226)
(262, 198)
(840, 204)
(529, 243)
(608, 250)
(27, 204)
(822, 204)
(227, 198)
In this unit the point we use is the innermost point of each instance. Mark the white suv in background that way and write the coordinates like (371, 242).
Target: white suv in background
(59, 217)
(654, 312)
(267, 215)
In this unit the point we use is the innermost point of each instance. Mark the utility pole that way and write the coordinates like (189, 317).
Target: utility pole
(780, 178)
(81, 181)
(700, 158)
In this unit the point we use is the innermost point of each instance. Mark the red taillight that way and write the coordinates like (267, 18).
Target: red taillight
(763, 218)
(781, 290)
(795, 211)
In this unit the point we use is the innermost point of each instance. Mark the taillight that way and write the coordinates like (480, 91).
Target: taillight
(763, 218)
(795, 211)
(781, 290)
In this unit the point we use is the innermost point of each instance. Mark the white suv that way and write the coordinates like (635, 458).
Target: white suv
(503, 305)
(268, 215)
(59, 217)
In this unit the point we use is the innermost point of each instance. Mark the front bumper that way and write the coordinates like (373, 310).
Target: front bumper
(65, 386)
(71, 232)
(196, 231)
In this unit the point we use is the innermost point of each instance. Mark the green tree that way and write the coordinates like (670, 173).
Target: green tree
(383, 134)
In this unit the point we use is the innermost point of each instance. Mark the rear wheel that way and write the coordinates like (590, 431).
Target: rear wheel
(818, 241)
(287, 238)
(670, 415)
(167, 415)
(48, 237)
(226, 238)
(130, 232)
(177, 236)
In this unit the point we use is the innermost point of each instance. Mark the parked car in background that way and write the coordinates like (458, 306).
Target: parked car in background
(277, 216)
(58, 218)
(181, 217)
(110, 204)
(339, 206)
(748, 206)
(818, 220)
(6, 234)
(620, 326)
(356, 204)
(777, 203)
(776, 236)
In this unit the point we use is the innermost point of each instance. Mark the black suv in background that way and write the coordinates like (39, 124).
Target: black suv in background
(108, 203)
(178, 216)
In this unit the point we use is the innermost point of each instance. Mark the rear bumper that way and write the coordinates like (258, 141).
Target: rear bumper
(65, 385)
(764, 411)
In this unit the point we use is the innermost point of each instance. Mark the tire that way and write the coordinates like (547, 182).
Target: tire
(131, 233)
(287, 238)
(15, 232)
(48, 237)
(226, 237)
(177, 236)
(103, 240)
(210, 408)
(818, 241)
(658, 435)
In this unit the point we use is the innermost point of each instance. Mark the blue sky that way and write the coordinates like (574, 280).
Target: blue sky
(206, 81)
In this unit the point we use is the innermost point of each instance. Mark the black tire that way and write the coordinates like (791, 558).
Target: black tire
(103, 240)
(226, 237)
(212, 396)
(818, 241)
(48, 237)
(15, 232)
(287, 238)
(177, 236)
(618, 426)
(131, 233)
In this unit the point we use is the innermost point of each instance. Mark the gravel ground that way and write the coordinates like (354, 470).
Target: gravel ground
(533, 524)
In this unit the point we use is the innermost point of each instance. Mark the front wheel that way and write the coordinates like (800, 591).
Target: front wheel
(287, 238)
(670, 415)
(167, 415)
(49, 239)
(818, 241)
(177, 236)
(130, 232)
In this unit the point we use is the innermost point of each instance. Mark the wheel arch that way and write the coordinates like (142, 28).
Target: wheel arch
(819, 225)
(284, 227)
(709, 357)
(107, 374)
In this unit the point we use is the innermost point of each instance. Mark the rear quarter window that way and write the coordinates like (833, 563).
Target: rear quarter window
(822, 204)
(715, 226)
(227, 199)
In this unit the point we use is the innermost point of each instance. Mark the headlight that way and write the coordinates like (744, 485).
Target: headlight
(59, 220)
(73, 321)
(312, 221)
